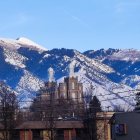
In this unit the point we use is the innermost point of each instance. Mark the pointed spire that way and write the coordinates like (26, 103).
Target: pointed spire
(51, 74)
(71, 69)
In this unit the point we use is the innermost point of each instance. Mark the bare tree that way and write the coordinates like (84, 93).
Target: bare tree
(43, 109)
(8, 110)
(47, 107)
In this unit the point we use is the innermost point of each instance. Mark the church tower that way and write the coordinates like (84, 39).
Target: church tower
(49, 91)
(51, 75)
(71, 88)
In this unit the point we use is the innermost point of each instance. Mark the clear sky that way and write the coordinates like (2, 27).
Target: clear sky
(76, 24)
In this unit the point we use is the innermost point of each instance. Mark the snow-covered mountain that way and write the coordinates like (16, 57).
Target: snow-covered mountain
(24, 65)
(12, 44)
(126, 64)
(100, 54)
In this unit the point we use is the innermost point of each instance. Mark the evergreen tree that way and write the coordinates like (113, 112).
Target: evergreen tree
(95, 106)
(137, 107)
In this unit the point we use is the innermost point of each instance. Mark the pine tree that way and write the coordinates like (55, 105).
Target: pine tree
(95, 106)
(137, 107)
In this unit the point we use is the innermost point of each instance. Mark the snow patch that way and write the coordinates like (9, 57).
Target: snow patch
(27, 41)
(14, 58)
(20, 42)
(126, 55)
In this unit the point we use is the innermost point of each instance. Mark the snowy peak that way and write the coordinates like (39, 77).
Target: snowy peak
(14, 44)
(10, 44)
(27, 41)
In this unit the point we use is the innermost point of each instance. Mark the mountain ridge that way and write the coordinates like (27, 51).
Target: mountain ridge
(15, 44)
(25, 70)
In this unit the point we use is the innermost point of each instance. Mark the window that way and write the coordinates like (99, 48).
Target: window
(80, 87)
(73, 95)
(80, 97)
(45, 134)
(120, 129)
(73, 85)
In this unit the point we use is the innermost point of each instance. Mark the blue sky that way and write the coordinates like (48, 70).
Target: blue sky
(74, 24)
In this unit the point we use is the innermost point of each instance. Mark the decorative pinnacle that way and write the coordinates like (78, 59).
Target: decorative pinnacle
(51, 74)
(71, 69)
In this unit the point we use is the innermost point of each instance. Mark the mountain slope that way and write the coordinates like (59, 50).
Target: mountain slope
(20, 42)
(100, 54)
(126, 64)
(24, 67)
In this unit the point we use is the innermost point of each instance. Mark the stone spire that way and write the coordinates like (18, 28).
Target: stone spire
(51, 74)
(71, 69)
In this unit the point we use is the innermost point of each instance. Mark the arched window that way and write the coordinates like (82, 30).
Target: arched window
(73, 86)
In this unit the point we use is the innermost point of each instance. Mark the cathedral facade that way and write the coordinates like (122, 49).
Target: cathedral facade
(69, 89)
